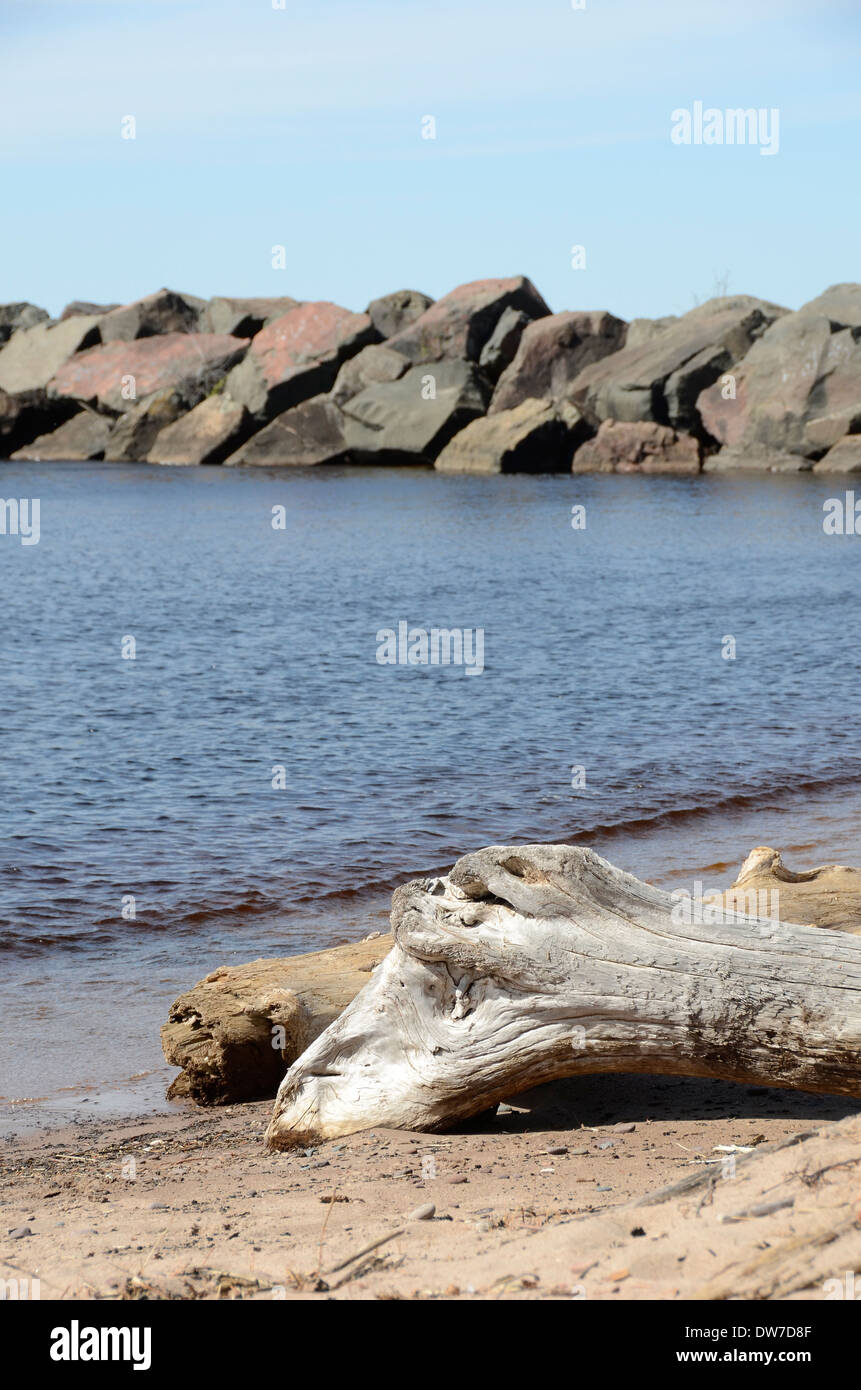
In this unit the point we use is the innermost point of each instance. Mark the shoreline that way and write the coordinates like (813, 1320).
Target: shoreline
(712, 854)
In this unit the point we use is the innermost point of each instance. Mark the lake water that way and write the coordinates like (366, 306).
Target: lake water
(255, 649)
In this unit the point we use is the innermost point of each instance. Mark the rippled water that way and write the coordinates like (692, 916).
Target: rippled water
(256, 648)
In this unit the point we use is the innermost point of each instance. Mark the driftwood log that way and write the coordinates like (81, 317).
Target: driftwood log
(530, 963)
(236, 1032)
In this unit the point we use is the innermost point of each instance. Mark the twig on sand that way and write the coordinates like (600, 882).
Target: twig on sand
(366, 1250)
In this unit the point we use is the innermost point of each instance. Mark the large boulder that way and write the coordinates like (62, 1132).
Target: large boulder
(83, 306)
(242, 318)
(392, 312)
(162, 312)
(551, 354)
(842, 457)
(533, 437)
(412, 419)
(235, 1034)
(84, 436)
(33, 355)
(642, 331)
(297, 356)
(840, 304)
(370, 366)
(797, 391)
(134, 433)
(191, 363)
(15, 316)
(660, 379)
(310, 433)
(26, 415)
(207, 434)
(638, 447)
(459, 324)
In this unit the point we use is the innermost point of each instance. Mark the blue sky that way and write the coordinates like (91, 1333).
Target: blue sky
(301, 126)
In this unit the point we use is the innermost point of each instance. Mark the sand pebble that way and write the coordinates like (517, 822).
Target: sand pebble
(423, 1213)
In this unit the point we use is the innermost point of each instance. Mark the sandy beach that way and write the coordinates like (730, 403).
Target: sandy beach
(538, 1202)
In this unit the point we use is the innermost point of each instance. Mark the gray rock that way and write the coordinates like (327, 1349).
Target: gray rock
(501, 347)
(135, 432)
(392, 312)
(660, 380)
(162, 312)
(82, 306)
(551, 354)
(372, 365)
(85, 436)
(244, 317)
(756, 459)
(32, 356)
(309, 434)
(15, 316)
(412, 419)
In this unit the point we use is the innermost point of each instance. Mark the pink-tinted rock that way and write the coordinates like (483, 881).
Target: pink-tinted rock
(207, 434)
(106, 376)
(551, 354)
(840, 304)
(297, 356)
(638, 447)
(459, 324)
(162, 312)
(797, 391)
(85, 436)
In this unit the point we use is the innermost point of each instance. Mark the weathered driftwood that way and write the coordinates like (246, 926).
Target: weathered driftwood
(542, 961)
(825, 897)
(235, 1032)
